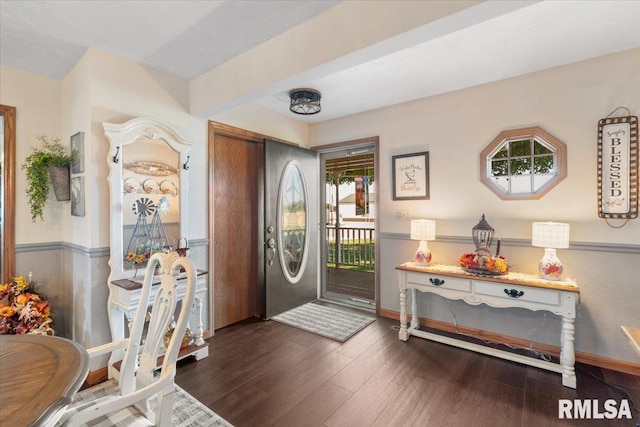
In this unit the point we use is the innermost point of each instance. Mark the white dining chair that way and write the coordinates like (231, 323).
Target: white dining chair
(143, 394)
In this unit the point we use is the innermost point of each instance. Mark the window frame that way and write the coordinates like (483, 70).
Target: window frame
(558, 148)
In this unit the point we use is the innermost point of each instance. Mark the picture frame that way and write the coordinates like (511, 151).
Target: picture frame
(77, 196)
(618, 167)
(410, 173)
(77, 149)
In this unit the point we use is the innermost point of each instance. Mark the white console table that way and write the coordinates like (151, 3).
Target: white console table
(124, 298)
(510, 290)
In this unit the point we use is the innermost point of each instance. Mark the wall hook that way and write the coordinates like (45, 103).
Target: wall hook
(115, 156)
(184, 166)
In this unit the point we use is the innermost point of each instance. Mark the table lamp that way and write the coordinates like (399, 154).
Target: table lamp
(423, 230)
(550, 236)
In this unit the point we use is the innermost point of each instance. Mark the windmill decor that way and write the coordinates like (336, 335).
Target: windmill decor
(147, 239)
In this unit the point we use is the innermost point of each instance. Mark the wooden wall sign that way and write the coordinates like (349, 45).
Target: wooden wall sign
(618, 167)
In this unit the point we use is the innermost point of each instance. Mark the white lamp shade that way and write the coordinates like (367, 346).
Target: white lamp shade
(423, 229)
(550, 235)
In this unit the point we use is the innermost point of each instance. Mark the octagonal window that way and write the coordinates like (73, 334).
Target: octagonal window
(523, 163)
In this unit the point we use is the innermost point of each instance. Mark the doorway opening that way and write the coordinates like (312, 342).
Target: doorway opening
(348, 240)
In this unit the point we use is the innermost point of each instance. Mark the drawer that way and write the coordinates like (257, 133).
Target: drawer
(437, 281)
(518, 293)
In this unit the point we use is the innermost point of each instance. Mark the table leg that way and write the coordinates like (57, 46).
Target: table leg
(403, 334)
(199, 331)
(567, 353)
(415, 323)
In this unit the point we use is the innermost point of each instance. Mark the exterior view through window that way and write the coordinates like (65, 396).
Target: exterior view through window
(350, 228)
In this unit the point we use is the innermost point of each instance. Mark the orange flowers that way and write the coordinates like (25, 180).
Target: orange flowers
(139, 257)
(23, 310)
(6, 311)
(482, 263)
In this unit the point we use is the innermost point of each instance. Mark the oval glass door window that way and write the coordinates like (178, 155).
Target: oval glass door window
(292, 221)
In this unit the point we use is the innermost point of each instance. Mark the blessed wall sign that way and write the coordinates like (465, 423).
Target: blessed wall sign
(618, 167)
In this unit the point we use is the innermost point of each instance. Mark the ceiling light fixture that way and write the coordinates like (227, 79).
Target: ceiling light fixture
(305, 101)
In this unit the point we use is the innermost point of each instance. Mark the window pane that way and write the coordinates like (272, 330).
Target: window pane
(539, 148)
(499, 168)
(543, 164)
(521, 166)
(540, 180)
(520, 148)
(521, 184)
(502, 153)
(502, 181)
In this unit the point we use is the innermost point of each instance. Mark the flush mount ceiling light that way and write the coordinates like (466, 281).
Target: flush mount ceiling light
(305, 101)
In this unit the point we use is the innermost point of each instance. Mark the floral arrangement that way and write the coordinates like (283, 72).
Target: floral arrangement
(139, 256)
(23, 310)
(483, 264)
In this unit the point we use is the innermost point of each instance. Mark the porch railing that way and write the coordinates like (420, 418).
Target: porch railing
(351, 246)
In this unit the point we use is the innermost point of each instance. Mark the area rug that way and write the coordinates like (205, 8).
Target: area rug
(187, 410)
(339, 325)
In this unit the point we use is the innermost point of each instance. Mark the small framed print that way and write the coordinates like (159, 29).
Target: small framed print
(618, 167)
(77, 196)
(77, 150)
(410, 174)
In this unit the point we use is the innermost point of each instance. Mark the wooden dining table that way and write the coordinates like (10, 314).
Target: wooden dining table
(39, 376)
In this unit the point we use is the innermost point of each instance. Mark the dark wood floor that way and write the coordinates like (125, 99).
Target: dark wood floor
(264, 373)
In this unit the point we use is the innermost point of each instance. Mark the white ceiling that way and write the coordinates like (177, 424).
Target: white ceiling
(492, 41)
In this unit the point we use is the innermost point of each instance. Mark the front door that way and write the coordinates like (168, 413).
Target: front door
(290, 227)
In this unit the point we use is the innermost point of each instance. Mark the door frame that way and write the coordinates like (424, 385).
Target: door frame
(341, 146)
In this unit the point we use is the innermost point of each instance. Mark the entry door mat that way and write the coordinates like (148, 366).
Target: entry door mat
(339, 325)
(187, 410)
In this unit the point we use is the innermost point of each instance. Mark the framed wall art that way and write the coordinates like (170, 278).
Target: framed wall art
(77, 196)
(618, 167)
(410, 174)
(77, 149)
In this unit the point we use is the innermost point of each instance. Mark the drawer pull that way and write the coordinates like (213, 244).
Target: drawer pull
(437, 282)
(513, 293)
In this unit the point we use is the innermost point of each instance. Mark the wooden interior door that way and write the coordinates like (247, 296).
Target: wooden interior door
(235, 165)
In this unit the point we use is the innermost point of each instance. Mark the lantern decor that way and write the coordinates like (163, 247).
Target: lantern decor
(482, 260)
(482, 233)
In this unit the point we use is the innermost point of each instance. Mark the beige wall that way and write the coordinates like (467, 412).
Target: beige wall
(566, 101)
(38, 111)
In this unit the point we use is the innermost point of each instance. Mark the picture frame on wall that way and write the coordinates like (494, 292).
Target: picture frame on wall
(77, 149)
(410, 174)
(77, 196)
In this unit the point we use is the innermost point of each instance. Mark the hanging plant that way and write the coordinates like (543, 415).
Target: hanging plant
(40, 166)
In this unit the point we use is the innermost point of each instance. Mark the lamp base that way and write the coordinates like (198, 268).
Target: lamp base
(550, 266)
(423, 254)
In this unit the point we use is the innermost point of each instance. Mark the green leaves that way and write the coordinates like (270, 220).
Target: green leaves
(50, 153)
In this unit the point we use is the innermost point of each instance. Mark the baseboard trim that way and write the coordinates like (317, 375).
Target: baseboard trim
(96, 377)
(587, 358)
